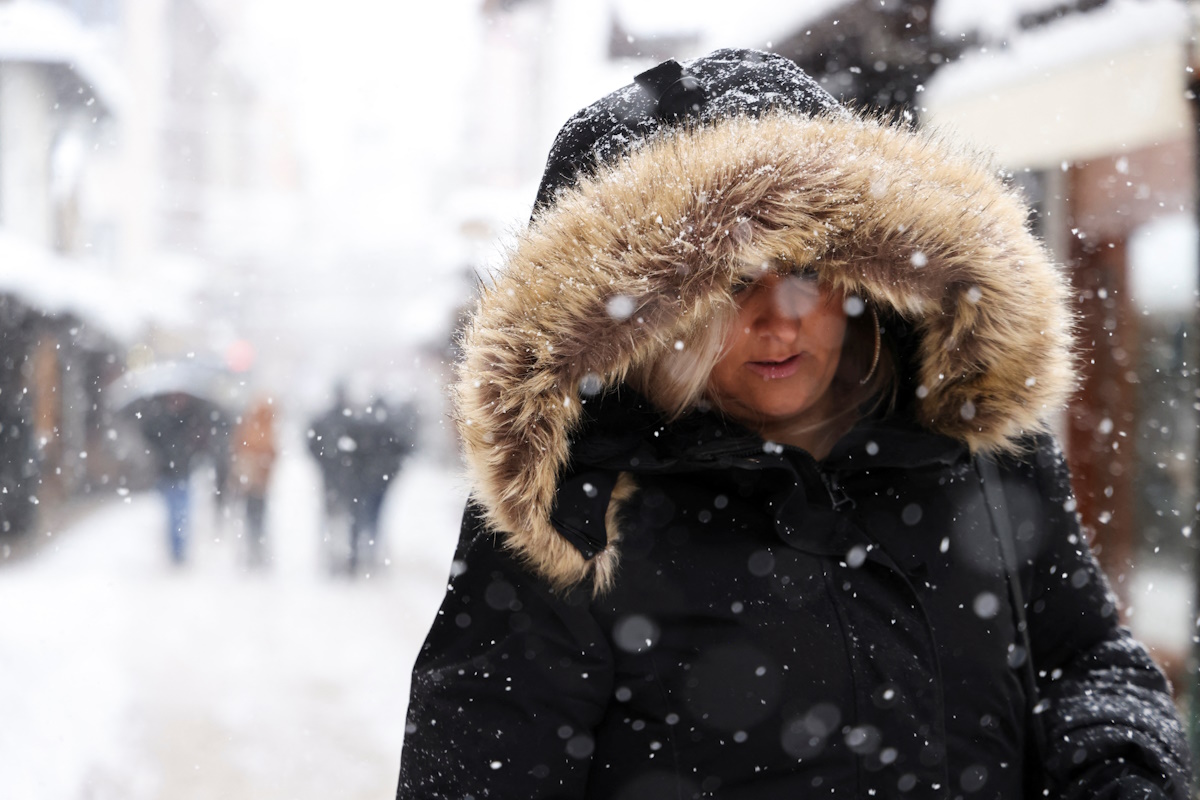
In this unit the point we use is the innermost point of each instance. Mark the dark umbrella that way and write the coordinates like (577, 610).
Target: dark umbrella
(183, 406)
(183, 411)
(203, 383)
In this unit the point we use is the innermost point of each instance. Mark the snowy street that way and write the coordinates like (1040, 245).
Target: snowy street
(124, 677)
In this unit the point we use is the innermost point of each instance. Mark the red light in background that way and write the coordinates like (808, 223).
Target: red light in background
(240, 356)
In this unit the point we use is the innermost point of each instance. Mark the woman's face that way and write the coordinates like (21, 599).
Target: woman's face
(782, 353)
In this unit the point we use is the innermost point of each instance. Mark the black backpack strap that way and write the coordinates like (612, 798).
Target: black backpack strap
(993, 493)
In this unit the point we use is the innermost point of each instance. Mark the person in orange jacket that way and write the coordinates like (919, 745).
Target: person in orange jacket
(253, 457)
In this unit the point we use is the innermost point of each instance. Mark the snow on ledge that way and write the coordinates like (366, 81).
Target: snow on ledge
(41, 33)
(53, 284)
(1118, 26)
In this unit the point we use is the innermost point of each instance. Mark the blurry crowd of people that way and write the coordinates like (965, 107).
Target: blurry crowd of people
(181, 431)
(359, 449)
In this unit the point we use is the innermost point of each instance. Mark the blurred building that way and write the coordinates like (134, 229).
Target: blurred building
(143, 180)
(63, 320)
(208, 174)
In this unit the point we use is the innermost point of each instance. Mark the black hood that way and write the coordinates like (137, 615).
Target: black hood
(722, 84)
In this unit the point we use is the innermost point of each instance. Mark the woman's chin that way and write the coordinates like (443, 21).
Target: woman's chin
(785, 409)
(770, 416)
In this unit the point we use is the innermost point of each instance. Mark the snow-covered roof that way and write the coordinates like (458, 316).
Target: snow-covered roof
(993, 19)
(1104, 81)
(42, 33)
(1119, 25)
(57, 285)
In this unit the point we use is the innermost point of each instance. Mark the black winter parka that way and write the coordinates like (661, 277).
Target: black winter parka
(789, 628)
(654, 604)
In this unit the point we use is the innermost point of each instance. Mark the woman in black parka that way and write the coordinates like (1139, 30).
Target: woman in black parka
(724, 409)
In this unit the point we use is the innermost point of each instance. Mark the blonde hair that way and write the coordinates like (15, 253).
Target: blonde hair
(677, 380)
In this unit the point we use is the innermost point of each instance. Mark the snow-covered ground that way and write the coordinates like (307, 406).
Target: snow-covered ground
(122, 677)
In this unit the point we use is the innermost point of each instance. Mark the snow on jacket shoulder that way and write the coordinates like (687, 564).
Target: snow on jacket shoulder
(649, 604)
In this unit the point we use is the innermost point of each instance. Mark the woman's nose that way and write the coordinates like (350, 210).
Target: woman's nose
(783, 304)
(778, 326)
(776, 318)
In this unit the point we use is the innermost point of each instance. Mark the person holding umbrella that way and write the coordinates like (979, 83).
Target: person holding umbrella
(176, 428)
(178, 408)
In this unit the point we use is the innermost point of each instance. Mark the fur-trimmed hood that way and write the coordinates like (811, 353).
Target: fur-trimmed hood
(643, 250)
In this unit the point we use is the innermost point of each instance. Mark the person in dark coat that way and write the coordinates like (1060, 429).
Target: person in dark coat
(177, 428)
(383, 439)
(330, 443)
(731, 411)
(360, 452)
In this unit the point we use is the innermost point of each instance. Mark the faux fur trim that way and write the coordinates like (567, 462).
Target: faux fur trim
(637, 258)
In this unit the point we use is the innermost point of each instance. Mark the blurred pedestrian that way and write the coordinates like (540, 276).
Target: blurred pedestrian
(383, 438)
(332, 446)
(219, 450)
(253, 458)
(176, 427)
(764, 502)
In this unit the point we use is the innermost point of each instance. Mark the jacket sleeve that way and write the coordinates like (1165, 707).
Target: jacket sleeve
(1112, 729)
(508, 687)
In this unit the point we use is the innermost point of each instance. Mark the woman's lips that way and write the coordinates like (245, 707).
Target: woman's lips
(774, 370)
